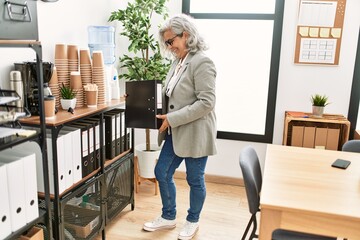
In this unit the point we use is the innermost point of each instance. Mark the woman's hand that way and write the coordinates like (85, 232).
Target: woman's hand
(165, 123)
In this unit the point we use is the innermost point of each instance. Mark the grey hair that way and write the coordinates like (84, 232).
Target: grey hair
(179, 24)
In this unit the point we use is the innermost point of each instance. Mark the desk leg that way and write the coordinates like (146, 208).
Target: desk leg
(269, 221)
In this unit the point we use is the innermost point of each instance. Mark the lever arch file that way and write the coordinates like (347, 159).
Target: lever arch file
(117, 130)
(143, 102)
(34, 147)
(5, 225)
(96, 137)
(76, 157)
(68, 161)
(87, 148)
(120, 129)
(92, 145)
(15, 178)
(60, 163)
(30, 183)
(110, 135)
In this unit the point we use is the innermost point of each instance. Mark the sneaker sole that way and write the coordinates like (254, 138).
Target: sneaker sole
(150, 229)
(188, 237)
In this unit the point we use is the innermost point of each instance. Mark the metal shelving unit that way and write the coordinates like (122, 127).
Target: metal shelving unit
(44, 214)
(98, 181)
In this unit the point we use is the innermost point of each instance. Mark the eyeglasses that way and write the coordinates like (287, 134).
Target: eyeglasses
(170, 41)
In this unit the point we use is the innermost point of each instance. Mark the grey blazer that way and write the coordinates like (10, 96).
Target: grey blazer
(191, 107)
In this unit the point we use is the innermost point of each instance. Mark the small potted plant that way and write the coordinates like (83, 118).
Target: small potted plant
(318, 104)
(68, 99)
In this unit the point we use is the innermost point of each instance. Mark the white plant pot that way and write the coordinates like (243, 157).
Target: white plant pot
(317, 111)
(147, 159)
(68, 103)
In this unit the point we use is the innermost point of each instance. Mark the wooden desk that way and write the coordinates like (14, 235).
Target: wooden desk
(302, 192)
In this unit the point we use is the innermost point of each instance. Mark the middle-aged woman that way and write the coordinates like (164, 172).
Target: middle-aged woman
(189, 122)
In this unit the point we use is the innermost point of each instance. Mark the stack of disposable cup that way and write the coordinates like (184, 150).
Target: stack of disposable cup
(76, 85)
(54, 87)
(73, 58)
(91, 95)
(61, 63)
(98, 75)
(85, 66)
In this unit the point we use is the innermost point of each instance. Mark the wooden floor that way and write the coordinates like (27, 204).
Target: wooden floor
(224, 216)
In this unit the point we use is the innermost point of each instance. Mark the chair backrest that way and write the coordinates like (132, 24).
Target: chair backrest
(250, 168)
(351, 146)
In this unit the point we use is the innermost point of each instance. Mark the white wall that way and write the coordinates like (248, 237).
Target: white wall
(66, 22)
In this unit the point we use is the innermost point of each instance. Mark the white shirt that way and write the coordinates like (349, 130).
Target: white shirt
(172, 82)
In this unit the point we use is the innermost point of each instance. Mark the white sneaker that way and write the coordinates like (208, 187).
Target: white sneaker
(159, 223)
(188, 231)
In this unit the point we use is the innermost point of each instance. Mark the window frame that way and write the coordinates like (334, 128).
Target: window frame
(277, 17)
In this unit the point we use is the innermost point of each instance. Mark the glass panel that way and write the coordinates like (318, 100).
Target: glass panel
(241, 50)
(232, 6)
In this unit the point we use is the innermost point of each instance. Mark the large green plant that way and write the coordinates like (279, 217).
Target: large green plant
(145, 62)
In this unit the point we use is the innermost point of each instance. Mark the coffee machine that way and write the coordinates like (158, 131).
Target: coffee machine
(29, 76)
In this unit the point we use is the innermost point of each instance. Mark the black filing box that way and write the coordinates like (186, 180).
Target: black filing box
(18, 20)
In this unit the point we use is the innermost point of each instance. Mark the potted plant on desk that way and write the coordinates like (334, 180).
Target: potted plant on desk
(145, 62)
(318, 104)
(68, 99)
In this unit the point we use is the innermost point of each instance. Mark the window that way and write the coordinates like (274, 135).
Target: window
(244, 38)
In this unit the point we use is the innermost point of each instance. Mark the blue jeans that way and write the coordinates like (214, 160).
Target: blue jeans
(165, 168)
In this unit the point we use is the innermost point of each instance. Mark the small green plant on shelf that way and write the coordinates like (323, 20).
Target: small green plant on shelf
(67, 92)
(319, 100)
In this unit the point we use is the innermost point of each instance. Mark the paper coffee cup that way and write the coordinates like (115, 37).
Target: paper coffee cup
(49, 106)
(91, 98)
(75, 80)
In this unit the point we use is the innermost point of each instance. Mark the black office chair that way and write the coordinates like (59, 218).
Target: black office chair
(351, 146)
(250, 168)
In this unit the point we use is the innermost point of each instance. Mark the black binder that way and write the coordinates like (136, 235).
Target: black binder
(127, 138)
(96, 137)
(120, 119)
(117, 130)
(90, 163)
(143, 102)
(110, 136)
(91, 140)
(97, 120)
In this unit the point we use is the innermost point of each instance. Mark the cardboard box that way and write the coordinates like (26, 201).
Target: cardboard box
(320, 137)
(82, 221)
(35, 233)
(309, 137)
(332, 141)
(297, 136)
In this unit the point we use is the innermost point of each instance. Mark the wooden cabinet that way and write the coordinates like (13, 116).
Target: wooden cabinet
(303, 130)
